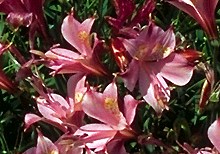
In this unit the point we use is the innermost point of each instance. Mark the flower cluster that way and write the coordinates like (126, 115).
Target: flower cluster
(101, 117)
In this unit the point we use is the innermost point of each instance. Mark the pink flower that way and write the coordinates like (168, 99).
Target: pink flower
(153, 62)
(78, 35)
(66, 144)
(27, 13)
(203, 11)
(128, 16)
(60, 112)
(44, 145)
(214, 134)
(115, 125)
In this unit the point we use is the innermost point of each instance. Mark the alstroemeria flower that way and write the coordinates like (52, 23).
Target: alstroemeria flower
(203, 11)
(78, 35)
(125, 22)
(66, 144)
(58, 111)
(27, 13)
(44, 145)
(153, 62)
(115, 125)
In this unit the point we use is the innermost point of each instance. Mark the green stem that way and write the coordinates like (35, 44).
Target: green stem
(216, 63)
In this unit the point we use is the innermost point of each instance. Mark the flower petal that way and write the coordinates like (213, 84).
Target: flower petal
(130, 105)
(107, 106)
(130, 77)
(176, 69)
(76, 90)
(77, 34)
(154, 90)
(116, 146)
(96, 135)
(45, 145)
(30, 119)
(214, 134)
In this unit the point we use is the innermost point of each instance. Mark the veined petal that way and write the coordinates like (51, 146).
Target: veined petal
(45, 145)
(154, 90)
(96, 135)
(111, 91)
(76, 90)
(214, 134)
(130, 105)
(54, 107)
(116, 146)
(131, 46)
(55, 98)
(130, 77)
(61, 54)
(49, 114)
(30, 119)
(77, 34)
(175, 68)
(152, 44)
(203, 11)
(108, 109)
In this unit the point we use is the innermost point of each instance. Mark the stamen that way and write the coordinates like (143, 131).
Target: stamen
(111, 105)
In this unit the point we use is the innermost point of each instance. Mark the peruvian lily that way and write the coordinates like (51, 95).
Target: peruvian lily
(115, 126)
(44, 145)
(125, 22)
(27, 13)
(78, 35)
(203, 11)
(66, 144)
(60, 112)
(153, 62)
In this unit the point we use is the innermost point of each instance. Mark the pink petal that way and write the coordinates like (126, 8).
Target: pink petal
(30, 119)
(152, 43)
(55, 98)
(116, 146)
(66, 61)
(111, 91)
(175, 68)
(61, 54)
(49, 114)
(72, 31)
(107, 107)
(30, 151)
(96, 135)
(130, 77)
(130, 105)
(76, 89)
(202, 11)
(45, 145)
(144, 12)
(131, 45)
(147, 82)
(214, 134)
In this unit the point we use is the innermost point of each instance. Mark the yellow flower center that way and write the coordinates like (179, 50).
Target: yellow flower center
(53, 152)
(111, 105)
(83, 35)
(78, 97)
(157, 52)
(160, 97)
